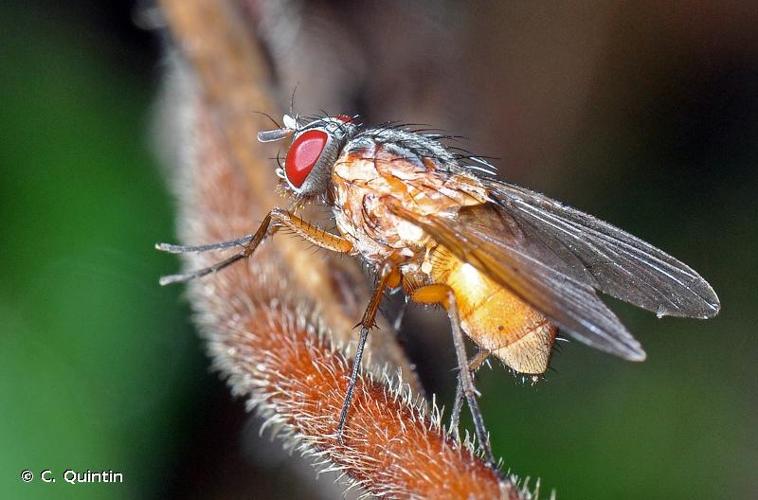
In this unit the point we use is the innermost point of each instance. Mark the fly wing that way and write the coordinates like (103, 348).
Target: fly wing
(600, 255)
(489, 239)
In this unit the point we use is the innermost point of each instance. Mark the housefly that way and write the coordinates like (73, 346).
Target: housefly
(510, 266)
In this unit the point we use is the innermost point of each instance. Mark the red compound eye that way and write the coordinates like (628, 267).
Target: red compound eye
(345, 118)
(303, 154)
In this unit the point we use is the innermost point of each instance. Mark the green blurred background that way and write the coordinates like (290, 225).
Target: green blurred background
(100, 368)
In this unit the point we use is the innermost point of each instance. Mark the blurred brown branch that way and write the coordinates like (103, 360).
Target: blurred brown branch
(272, 322)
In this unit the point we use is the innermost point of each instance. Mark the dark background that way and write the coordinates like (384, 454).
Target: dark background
(644, 114)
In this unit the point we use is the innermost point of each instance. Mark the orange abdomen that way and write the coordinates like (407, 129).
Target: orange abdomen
(495, 318)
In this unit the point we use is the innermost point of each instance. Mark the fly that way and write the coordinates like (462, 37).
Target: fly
(510, 266)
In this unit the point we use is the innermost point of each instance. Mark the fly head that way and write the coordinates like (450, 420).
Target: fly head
(314, 149)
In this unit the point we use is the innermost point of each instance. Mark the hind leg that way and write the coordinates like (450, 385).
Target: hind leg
(473, 365)
(444, 295)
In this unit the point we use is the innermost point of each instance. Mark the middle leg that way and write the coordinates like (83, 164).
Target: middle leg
(389, 278)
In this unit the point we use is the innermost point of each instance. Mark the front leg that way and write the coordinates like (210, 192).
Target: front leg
(275, 219)
(444, 295)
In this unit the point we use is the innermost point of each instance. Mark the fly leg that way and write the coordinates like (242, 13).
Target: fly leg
(444, 295)
(171, 248)
(473, 365)
(398, 322)
(274, 220)
(389, 277)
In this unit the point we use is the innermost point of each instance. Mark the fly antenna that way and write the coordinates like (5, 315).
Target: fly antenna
(276, 134)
